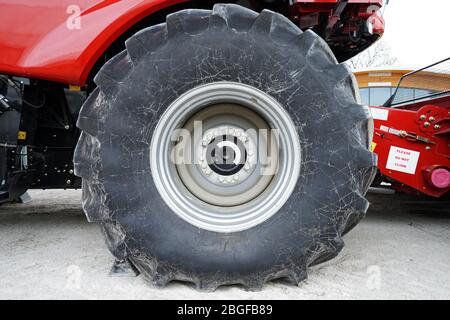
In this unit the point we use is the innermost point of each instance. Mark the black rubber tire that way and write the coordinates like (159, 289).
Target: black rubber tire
(229, 43)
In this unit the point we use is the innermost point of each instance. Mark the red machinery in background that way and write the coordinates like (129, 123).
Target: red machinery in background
(411, 137)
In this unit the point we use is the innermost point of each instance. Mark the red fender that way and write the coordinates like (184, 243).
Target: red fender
(60, 40)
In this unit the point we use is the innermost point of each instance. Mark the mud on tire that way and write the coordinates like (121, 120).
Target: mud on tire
(227, 44)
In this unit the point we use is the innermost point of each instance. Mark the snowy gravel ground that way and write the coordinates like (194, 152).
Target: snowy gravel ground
(49, 251)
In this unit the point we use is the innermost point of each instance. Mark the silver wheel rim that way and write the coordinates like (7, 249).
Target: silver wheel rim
(241, 189)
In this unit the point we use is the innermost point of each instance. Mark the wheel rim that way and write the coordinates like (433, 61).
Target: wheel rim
(226, 170)
(225, 156)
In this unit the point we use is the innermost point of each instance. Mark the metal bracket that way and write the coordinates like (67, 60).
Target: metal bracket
(25, 198)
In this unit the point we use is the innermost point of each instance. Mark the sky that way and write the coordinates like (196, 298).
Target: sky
(418, 31)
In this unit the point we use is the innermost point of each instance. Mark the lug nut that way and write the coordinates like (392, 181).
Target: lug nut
(436, 127)
(422, 117)
(431, 119)
(426, 124)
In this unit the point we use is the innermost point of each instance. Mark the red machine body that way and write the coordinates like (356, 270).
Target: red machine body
(41, 39)
(412, 144)
(61, 40)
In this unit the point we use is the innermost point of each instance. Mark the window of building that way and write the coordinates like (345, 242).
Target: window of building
(404, 94)
(364, 92)
(420, 93)
(377, 96)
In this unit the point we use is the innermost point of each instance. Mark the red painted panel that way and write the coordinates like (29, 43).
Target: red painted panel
(36, 42)
(406, 159)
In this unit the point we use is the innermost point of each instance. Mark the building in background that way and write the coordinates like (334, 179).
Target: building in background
(377, 85)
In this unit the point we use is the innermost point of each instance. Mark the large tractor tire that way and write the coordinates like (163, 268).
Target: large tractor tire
(213, 221)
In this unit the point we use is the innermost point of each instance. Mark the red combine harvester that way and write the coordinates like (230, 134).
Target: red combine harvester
(217, 143)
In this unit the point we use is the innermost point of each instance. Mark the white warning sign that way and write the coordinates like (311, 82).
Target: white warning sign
(379, 114)
(403, 160)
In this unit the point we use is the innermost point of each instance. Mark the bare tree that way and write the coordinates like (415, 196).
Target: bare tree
(375, 56)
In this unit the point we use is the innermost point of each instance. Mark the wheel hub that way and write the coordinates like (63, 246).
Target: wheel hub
(226, 155)
(224, 169)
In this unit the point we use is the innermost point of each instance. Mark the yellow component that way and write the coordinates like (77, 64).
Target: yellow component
(372, 146)
(22, 135)
(74, 88)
